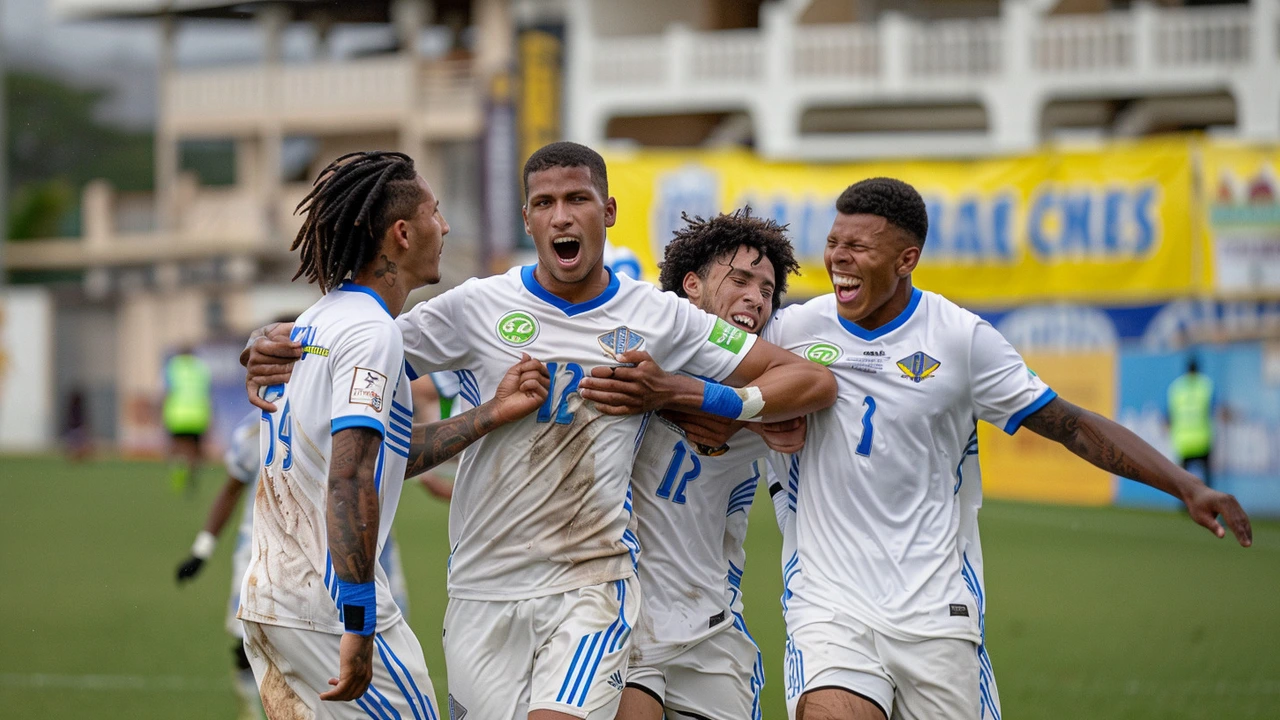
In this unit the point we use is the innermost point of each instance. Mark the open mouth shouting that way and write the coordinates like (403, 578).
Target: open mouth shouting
(567, 250)
(745, 321)
(846, 287)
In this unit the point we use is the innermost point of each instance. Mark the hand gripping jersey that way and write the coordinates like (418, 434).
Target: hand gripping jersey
(691, 518)
(352, 374)
(541, 505)
(879, 487)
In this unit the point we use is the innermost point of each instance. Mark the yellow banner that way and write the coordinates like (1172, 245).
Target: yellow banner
(1025, 466)
(1241, 200)
(1109, 224)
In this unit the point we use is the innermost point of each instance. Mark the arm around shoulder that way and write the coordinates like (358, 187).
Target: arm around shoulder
(790, 385)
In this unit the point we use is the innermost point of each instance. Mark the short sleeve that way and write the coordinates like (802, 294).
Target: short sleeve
(1005, 391)
(242, 457)
(447, 384)
(434, 331)
(366, 365)
(703, 344)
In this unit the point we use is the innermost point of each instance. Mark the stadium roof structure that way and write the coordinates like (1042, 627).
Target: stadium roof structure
(339, 11)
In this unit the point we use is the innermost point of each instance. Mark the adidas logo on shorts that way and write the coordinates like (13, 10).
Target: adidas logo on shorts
(615, 680)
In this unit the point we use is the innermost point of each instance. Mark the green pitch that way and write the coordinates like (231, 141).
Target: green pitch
(1098, 613)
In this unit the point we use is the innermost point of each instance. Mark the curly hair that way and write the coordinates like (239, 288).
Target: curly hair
(891, 199)
(567, 155)
(352, 203)
(702, 242)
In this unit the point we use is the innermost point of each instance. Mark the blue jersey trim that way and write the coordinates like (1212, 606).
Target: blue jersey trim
(862, 333)
(348, 286)
(350, 421)
(1015, 422)
(568, 308)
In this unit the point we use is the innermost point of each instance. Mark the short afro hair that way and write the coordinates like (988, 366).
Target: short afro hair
(702, 242)
(567, 155)
(891, 199)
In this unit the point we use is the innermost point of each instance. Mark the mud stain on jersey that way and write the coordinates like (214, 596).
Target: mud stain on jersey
(289, 546)
(577, 516)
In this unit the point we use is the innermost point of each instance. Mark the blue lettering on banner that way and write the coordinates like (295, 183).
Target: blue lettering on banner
(692, 190)
(1063, 223)
(970, 229)
(1066, 223)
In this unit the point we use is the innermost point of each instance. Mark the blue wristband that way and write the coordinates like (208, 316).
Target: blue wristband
(720, 400)
(358, 607)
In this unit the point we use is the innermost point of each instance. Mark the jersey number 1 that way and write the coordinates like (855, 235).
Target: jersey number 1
(868, 430)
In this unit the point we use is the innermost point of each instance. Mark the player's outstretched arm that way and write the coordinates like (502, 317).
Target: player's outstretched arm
(1114, 448)
(351, 522)
(268, 359)
(522, 390)
(772, 384)
(205, 542)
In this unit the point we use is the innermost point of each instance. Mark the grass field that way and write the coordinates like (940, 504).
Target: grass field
(1097, 613)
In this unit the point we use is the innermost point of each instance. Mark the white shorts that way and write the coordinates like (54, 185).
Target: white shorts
(719, 677)
(292, 667)
(929, 678)
(565, 652)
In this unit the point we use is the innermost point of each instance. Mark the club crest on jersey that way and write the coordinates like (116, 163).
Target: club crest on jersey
(917, 367)
(620, 340)
(517, 328)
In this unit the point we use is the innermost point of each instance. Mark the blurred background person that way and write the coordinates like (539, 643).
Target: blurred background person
(77, 435)
(1190, 409)
(187, 409)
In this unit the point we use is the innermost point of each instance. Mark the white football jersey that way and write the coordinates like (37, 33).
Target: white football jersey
(541, 506)
(880, 496)
(352, 374)
(691, 518)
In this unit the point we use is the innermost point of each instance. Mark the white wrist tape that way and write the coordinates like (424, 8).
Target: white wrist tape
(752, 403)
(204, 545)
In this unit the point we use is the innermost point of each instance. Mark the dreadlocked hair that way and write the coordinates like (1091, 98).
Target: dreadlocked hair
(351, 204)
(700, 243)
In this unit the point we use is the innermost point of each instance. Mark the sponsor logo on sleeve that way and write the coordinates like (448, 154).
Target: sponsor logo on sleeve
(918, 367)
(517, 328)
(727, 336)
(822, 353)
(368, 387)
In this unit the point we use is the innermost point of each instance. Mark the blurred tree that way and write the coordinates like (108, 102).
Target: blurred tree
(41, 209)
(56, 145)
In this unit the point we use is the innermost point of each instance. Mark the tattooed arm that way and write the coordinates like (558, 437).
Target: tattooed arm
(351, 519)
(1114, 448)
(522, 390)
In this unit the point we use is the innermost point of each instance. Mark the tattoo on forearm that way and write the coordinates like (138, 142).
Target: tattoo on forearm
(351, 517)
(434, 443)
(1104, 443)
(387, 273)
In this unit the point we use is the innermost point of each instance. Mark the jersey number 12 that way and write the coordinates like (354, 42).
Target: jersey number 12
(557, 407)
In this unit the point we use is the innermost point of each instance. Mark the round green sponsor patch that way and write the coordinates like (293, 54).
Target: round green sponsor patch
(517, 328)
(822, 353)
